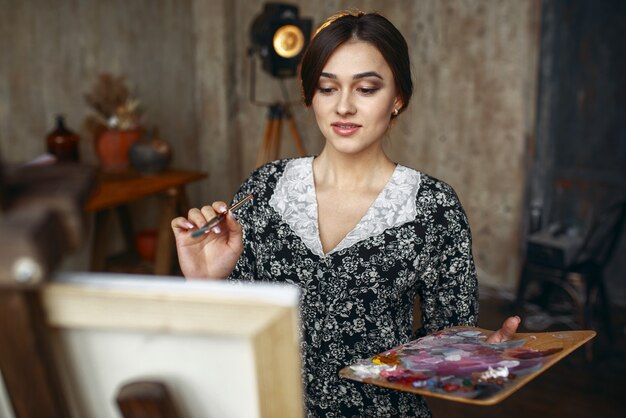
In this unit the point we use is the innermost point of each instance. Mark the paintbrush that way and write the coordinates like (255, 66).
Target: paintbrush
(219, 218)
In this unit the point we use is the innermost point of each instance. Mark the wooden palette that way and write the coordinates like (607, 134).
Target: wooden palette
(458, 365)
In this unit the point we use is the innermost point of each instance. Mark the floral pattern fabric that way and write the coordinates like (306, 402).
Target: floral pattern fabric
(357, 300)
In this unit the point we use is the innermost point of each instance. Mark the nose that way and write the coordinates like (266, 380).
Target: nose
(345, 105)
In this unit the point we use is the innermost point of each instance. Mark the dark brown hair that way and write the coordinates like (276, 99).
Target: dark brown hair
(367, 27)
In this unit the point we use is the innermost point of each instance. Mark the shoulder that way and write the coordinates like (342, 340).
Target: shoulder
(437, 191)
(268, 170)
(426, 182)
(438, 204)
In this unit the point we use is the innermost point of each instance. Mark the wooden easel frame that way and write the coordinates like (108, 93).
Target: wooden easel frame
(97, 302)
(42, 220)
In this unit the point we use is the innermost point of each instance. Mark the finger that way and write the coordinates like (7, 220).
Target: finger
(220, 207)
(231, 223)
(507, 332)
(182, 223)
(200, 216)
(209, 212)
(509, 327)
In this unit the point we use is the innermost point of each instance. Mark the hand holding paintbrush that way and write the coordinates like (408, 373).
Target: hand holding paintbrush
(204, 255)
(219, 218)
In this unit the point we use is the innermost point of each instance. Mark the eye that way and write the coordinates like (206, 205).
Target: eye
(325, 90)
(367, 91)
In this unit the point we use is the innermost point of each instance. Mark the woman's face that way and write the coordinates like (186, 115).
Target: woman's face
(355, 98)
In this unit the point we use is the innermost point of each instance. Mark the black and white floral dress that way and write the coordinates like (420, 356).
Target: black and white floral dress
(357, 300)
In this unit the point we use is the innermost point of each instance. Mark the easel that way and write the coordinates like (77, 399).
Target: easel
(39, 223)
(276, 113)
(42, 219)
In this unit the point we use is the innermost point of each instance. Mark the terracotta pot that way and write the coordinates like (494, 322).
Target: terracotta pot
(112, 147)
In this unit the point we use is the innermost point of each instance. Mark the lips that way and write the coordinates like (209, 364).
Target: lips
(345, 128)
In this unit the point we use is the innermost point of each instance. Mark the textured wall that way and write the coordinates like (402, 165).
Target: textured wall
(52, 53)
(580, 157)
(475, 78)
(468, 123)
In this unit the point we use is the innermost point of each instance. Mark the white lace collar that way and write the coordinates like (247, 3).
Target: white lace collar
(295, 201)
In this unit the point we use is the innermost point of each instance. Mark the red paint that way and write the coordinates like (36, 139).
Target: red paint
(451, 387)
(527, 355)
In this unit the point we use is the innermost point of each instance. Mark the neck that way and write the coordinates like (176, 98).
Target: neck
(351, 172)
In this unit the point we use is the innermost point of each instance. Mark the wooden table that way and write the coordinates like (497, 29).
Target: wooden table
(114, 194)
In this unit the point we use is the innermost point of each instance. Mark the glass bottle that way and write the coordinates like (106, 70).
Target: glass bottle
(62, 142)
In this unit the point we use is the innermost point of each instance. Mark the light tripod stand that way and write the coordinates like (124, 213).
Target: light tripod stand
(270, 147)
(277, 112)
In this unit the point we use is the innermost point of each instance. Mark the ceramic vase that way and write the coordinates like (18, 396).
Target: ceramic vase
(112, 147)
(150, 155)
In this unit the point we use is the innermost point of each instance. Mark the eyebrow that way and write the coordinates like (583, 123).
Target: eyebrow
(354, 77)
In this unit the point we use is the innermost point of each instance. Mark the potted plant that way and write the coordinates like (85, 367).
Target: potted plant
(115, 123)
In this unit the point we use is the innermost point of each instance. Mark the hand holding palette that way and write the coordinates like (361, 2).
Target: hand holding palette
(457, 364)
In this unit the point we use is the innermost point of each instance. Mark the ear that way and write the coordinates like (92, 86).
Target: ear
(398, 103)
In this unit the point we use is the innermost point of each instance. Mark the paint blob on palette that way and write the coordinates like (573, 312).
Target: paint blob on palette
(458, 364)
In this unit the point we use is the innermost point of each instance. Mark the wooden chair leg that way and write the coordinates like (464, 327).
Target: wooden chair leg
(165, 238)
(596, 297)
(596, 300)
(605, 306)
(587, 321)
(102, 225)
(127, 229)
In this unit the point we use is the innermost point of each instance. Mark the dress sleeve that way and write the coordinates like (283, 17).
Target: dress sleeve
(449, 292)
(245, 268)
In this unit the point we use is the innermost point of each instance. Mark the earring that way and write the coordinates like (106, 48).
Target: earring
(395, 112)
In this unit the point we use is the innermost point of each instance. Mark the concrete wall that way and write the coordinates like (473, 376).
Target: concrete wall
(580, 158)
(468, 124)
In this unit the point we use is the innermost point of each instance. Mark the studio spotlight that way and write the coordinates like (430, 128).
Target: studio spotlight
(279, 36)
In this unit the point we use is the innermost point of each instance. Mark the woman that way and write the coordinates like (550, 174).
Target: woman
(359, 234)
